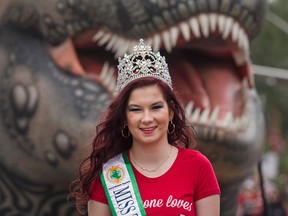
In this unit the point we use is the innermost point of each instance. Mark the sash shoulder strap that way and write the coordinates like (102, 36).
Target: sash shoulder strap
(121, 188)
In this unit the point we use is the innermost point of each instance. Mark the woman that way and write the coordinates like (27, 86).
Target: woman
(142, 162)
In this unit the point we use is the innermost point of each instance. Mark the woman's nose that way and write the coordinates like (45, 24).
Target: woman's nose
(147, 117)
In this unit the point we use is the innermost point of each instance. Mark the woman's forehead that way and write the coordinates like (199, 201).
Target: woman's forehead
(146, 93)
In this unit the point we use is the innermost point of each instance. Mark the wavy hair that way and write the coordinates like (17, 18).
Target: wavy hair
(109, 141)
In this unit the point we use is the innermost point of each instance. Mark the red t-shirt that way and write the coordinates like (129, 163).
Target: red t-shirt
(189, 179)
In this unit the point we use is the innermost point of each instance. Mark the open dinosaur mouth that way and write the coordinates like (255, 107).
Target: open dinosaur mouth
(211, 76)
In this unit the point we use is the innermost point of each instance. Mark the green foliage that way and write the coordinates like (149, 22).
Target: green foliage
(270, 48)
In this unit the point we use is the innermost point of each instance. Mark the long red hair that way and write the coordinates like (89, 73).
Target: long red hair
(109, 141)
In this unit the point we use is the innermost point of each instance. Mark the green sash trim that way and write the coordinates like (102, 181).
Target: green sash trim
(121, 188)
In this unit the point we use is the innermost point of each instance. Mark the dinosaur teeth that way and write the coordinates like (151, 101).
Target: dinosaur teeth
(210, 119)
(98, 35)
(104, 39)
(203, 25)
(209, 126)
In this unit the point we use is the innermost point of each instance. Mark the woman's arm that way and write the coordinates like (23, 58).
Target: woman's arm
(208, 206)
(98, 209)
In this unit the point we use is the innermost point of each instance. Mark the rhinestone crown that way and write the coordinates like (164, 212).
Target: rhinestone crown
(142, 63)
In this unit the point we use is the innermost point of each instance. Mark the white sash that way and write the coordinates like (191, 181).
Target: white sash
(121, 188)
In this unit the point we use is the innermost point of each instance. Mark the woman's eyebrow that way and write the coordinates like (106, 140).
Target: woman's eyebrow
(158, 103)
(153, 104)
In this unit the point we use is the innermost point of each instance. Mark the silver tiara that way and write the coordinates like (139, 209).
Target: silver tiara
(142, 63)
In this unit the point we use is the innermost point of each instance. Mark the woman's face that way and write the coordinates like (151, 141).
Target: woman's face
(148, 115)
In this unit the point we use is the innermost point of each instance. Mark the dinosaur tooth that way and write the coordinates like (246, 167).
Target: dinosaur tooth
(174, 33)
(195, 116)
(188, 109)
(241, 38)
(221, 23)
(156, 42)
(214, 115)
(227, 120)
(204, 23)
(195, 27)
(204, 116)
(104, 70)
(213, 22)
(122, 48)
(235, 31)
(117, 44)
(227, 28)
(239, 57)
(185, 30)
(166, 41)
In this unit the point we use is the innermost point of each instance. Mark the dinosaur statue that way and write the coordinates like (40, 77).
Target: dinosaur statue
(57, 75)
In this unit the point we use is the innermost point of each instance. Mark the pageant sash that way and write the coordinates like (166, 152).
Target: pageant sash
(121, 188)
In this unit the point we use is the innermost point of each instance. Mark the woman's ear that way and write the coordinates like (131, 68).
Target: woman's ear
(171, 115)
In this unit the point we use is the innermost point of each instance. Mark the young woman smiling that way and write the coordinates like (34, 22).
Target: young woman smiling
(142, 161)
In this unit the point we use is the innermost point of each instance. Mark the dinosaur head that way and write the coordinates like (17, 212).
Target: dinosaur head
(206, 44)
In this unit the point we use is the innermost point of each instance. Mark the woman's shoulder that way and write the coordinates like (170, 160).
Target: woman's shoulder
(192, 154)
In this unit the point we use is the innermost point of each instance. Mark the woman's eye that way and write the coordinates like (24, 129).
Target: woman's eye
(133, 109)
(157, 106)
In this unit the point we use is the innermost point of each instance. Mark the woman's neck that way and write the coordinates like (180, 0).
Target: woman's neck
(153, 162)
(149, 152)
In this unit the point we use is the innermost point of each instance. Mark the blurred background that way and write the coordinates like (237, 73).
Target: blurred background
(269, 53)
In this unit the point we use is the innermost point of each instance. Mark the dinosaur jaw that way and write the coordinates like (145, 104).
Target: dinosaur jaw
(212, 76)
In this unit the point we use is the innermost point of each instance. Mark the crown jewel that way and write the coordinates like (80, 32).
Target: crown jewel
(142, 63)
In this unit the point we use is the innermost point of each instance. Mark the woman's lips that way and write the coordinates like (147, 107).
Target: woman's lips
(148, 130)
